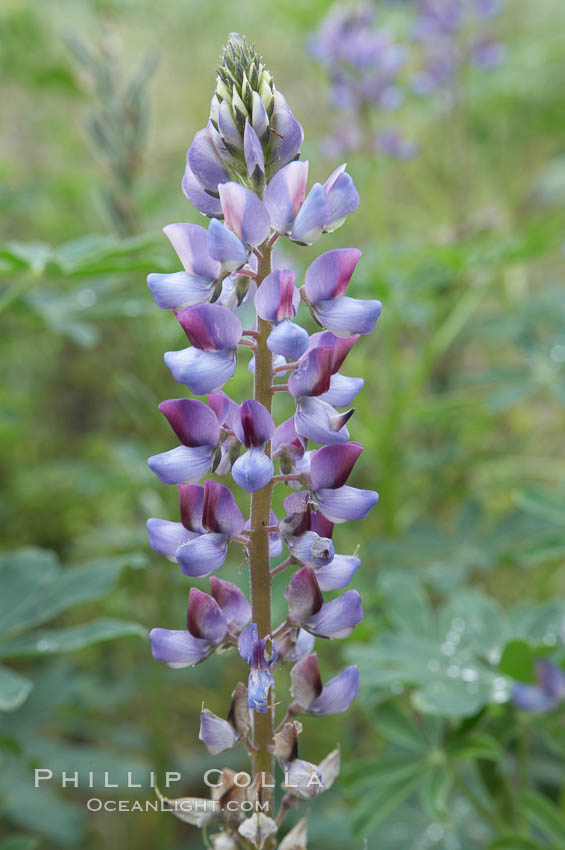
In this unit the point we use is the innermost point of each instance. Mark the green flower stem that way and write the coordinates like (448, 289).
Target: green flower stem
(260, 568)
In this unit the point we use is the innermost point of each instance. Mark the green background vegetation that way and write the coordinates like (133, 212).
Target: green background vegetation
(461, 418)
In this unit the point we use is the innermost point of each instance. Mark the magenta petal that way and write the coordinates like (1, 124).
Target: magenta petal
(205, 162)
(338, 573)
(244, 213)
(304, 595)
(226, 410)
(285, 195)
(312, 378)
(216, 734)
(329, 275)
(337, 694)
(342, 390)
(232, 601)
(255, 426)
(226, 247)
(331, 466)
(205, 618)
(165, 537)
(320, 524)
(306, 682)
(191, 500)
(203, 555)
(202, 371)
(337, 618)
(341, 346)
(190, 242)
(178, 648)
(253, 470)
(220, 512)
(318, 421)
(192, 421)
(182, 465)
(277, 298)
(210, 327)
(348, 315)
(204, 202)
(346, 503)
(288, 340)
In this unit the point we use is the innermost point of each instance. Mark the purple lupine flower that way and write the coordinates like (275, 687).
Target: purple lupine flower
(364, 64)
(306, 607)
(260, 655)
(312, 697)
(254, 469)
(218, 734)
(326, 282)
(201, 274)
(206, 628)
(547, 694)
(244, 173)
(214, 332)
(210, 512)
(197, 427)
(452, 34)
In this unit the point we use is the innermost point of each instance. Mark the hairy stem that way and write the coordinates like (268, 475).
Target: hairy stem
(263, 760)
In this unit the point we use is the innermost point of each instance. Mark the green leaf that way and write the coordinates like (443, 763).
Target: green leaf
(435, 789)
(515, 842)
(399, 727)
(40, 810)
(14, 689)
(450, 698)
(22, 573)
(52, 641)
(544, 815)
(19, 842)
(474, 746)
(518, 661)
(380, 801)
(67, 588)
(406, 604)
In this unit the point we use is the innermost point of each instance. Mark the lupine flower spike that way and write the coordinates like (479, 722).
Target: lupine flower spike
(243, 171)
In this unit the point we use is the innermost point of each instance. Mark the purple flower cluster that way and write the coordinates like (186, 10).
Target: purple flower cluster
(453, 34)
(364, 64)
(243, 171)
(371, 72)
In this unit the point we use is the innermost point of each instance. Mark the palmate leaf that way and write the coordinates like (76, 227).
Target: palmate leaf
(33, 605)
(39, 809)
(55, 641)
(451, 659)
(545, 816)
(36, 589)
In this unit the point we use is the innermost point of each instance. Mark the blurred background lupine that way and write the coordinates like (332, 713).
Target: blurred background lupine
(461, 417)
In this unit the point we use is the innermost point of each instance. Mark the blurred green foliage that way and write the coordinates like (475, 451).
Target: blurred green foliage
(462, 422)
